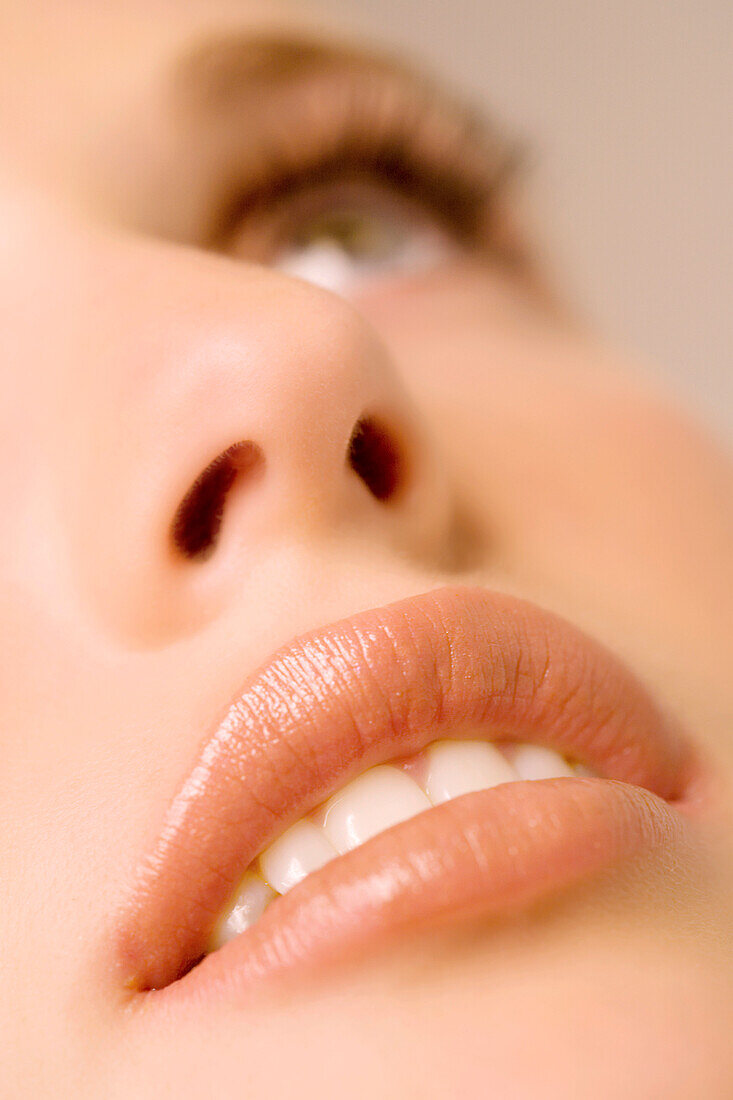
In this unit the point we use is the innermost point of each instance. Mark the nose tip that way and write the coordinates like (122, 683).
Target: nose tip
(302, 414)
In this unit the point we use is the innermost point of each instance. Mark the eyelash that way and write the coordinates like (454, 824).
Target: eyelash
(447, 171)
(446, 200)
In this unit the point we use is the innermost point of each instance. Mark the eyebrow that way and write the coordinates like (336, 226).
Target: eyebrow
(217, 73)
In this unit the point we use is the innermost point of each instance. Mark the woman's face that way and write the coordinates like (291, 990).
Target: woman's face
(205, 456)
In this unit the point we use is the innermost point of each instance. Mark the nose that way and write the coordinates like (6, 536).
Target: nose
(302, 420)
(248, 415)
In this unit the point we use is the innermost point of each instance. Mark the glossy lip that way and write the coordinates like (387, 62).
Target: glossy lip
(376, 686)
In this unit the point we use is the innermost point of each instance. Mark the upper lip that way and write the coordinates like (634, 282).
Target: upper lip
(376, 686)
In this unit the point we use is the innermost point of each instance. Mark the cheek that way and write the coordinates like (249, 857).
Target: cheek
(520, 405)
(592, 492)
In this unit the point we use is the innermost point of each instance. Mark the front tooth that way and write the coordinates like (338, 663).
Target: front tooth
(379, 798)
(253, 898)
(460, 767)
(302, 849)
(537, 762)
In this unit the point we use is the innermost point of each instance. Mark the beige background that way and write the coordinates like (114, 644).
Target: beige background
(628, 107)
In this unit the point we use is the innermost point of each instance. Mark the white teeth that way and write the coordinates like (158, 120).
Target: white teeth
(536, 762)
(459, 767)
(253, 898)
(376, 800)
(379, 798)
(302, 849)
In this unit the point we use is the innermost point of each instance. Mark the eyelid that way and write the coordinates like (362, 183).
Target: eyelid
(379, 126)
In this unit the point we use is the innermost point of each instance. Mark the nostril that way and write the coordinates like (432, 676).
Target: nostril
(197, 522)
(375, 457)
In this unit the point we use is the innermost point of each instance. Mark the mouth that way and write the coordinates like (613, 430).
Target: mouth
(456, 754)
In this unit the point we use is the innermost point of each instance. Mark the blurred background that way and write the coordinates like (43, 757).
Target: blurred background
(628, 108)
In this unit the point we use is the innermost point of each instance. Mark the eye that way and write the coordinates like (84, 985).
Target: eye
(346, 236)
(353, 244)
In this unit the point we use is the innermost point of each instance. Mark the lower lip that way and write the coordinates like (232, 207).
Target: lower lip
(488, 855)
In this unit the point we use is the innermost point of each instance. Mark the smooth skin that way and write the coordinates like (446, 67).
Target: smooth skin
(540, 463)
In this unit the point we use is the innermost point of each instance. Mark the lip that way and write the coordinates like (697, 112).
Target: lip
(376, 686)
